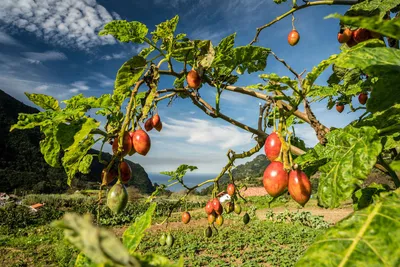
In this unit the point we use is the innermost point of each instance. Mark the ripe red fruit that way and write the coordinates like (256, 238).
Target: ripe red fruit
(362, 98)
(158, 127)
(344, 35)
(339, 107)
(351, 42)
(141, 142)
(299, 186)
(126, 147)
(108, 177)
(275, 179)
(209, 207)
(186, 217)
(361, 35)
(155, 120)
(217, 206)
(272, 146)
(230, 189)
(148, 125)
(126, 172)
(193, 79)
(293, 37)
(211, 217)
(132, 151)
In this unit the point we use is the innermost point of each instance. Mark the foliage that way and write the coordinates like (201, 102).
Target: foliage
(301, 217)
(364, 237)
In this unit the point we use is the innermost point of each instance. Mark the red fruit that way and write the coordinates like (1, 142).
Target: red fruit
(108, 177)
(148, 125)
(209, 207)
(219, 220)
(344, 36)
(275, 179)
(272, 146)
(193, 79)
(126, 172)
(186, 217)
(155, 120)
(351, 42)
(141, 142)
(132, 151)
(216, 205)
(293, 37)
(230, 189)
(158, 127)
(361, 35)
(362, 98)
(340, 108)
(220, 210)
(211, 217)
(299, 186)
(126, 147)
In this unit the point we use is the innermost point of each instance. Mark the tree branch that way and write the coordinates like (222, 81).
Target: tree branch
(297, 8)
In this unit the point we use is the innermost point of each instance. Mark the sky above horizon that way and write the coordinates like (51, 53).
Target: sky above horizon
(52, 47)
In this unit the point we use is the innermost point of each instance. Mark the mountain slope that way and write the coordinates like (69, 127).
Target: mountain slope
(23, 169)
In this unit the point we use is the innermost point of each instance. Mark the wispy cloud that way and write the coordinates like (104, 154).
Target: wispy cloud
(9, 40)
(127, 53)
(101, 79)
(35, 57)
(79, 86)
(63, 23)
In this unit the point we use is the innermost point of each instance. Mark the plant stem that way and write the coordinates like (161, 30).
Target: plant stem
(389, 129)
(392, 173)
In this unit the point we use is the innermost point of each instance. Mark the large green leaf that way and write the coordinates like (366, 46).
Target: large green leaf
(369, 237)
(364, 197)
(49, 147)
(28, 121)
(128, 75)
(250, 58)
(99, 245)
(74, 154)
(180, 172)
(223, 52)
(389, 28)
(316, 72)
(352, 153)
(370, 8)
(44, 101)
(86, 103)
(134, 234)
(273, 77)
(125, 31)
(166, 29)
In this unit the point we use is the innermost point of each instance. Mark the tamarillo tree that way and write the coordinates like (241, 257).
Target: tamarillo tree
(344, 157)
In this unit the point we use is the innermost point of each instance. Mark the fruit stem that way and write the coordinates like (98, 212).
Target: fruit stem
(293, 19)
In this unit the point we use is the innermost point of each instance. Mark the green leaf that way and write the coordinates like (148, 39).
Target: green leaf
(180, 172)
(389, 28)
(84, 165)
(207, 59)
(134, 234)
(28, 121)
(74, 154)
(223, 51)
(146, 52)
(86, 103)
(44, 101)
(382, 119)
(395, 165)
(83, 261)
(364, 197)
(312, 160)
(49, 147)
(372, 8)
(99, 245)
(275, 78)
(166, 29)
(316, 72)
(352, 153)
(128, 75)
(125, 31)
(250, 58)
(158, 260)
(369, 237)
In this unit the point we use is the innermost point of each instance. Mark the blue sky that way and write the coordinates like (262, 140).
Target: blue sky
(52, 47)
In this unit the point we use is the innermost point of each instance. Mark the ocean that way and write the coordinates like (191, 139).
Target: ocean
(190, 179)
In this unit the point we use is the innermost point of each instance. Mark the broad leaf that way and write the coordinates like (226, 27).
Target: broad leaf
(85, 163)
(44, 101)
(134, 234)
(28, 121)
(369, 237)
(125, 31)
(180, 172)
(389, 28)
(128, 75)
(372, 8)
(49, 147)
(86, 103)
(250, 58)
(364, 197)
(273, 77)
(99, 245)
(223, 52)
(166, 29)
(352, 153)
(316, 72)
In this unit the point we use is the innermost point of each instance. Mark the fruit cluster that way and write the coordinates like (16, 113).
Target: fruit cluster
(277, 179)
(133, 141)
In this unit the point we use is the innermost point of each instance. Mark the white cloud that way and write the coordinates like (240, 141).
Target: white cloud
(133, 50)
(41, 88)
(197, 131)
(8, 40)
(79, 86)
(70, 23)
(102, 79)
(44, 56)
